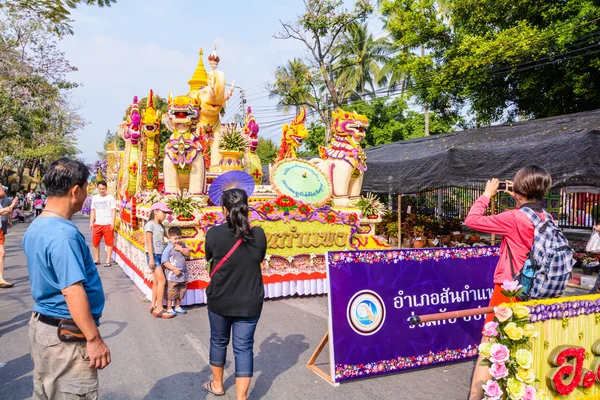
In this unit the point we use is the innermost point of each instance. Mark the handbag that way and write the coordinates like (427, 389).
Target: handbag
(235, 246)
(68, 331)
(593, 245)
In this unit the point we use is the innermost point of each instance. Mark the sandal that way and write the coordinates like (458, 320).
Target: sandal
(207, 387)
(97, 262)
(107, 264)
(162, 314)
(6, 285)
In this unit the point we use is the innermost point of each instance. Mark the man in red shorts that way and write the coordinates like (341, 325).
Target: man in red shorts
(102, 222)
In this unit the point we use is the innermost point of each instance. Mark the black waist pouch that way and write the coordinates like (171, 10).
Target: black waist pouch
(68, 331)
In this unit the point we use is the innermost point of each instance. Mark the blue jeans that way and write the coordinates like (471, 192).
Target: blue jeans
(243, 342)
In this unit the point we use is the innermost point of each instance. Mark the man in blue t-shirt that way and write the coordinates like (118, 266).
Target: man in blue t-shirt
(64, 285)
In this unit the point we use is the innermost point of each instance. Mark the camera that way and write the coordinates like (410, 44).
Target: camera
(505, 185)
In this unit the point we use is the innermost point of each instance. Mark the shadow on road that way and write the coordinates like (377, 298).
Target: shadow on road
(15, 323)
(276, 356)
(14, 382)
(187, 385)
(120, 327)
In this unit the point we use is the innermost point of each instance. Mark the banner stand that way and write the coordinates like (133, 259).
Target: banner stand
(311, 362)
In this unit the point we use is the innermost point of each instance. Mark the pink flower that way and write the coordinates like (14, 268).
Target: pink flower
(492, 390)
(502, 313)
(511, 286)
(499, 353)
(498, 371)
(490, 329)
(529, 393)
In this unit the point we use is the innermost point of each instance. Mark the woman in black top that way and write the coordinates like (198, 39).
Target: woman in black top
(235, 293)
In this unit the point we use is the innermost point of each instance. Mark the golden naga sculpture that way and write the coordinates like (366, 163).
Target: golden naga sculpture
(293, 136)
(209, 89)
(150, 151)
(344, 161)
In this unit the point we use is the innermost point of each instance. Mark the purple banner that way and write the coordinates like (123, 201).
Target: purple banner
(372, 295)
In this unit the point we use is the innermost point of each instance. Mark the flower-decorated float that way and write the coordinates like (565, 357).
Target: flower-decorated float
(307, 210)
(543, 349)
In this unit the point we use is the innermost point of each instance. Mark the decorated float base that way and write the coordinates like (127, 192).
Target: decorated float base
(298, 235)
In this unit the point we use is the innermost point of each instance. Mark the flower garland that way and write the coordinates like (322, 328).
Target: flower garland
(506, 354)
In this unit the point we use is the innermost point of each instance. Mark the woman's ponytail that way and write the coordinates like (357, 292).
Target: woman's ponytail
(236, 202)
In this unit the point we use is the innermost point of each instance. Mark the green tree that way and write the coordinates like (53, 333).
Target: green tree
(500, 60)
(55, 12)
(316, 138)
(266, 151)
(361, 60)
(320, 28)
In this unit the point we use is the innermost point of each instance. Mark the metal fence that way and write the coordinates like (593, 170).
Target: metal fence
(579, 210)
(574, 210)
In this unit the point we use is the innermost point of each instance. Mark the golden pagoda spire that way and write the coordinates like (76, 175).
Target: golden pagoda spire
(199, 78)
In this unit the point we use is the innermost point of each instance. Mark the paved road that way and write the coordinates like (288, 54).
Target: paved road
(168, 359)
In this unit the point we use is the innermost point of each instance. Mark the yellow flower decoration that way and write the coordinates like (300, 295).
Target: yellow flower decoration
(526, 375)
(513, 332)
(542, 395)
(524, 358)
(530, 332)
(515, 389)
(484, 349)
(520, 311)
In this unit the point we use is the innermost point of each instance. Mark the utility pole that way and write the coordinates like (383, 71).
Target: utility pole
(244, 108)
(425, 105)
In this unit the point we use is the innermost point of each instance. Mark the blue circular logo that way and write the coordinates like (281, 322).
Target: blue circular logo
(366, 312)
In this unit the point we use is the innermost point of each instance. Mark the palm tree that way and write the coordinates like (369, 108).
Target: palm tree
(360, 60)
(296, 82)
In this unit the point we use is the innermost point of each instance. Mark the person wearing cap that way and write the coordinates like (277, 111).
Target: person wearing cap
(6, 209)
(154, 233)
(65, 344)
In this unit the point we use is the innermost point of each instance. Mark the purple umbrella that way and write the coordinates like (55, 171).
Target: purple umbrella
(230, 180)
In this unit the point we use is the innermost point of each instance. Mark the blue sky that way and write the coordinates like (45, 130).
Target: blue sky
(137, 45)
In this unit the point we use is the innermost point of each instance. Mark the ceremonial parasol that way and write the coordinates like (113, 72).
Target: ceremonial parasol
(230, 180)
(301, 181)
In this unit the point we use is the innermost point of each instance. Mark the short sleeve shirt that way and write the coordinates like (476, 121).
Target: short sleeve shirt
(5, 202)
(58, 257)
(103, 205)
(158, 236)
(175, 258)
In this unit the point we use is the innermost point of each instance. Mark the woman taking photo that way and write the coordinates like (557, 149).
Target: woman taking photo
(235, 294)
(530, 186)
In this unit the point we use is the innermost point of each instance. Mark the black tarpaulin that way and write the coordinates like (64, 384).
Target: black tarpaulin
(567, 146)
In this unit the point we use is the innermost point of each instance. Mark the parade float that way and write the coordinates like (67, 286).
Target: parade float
(309, 207)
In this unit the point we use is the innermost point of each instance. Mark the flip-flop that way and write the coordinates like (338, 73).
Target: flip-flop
(107, 264)
(96, 262)
(162, 314)
(6, 285)
(207, 387)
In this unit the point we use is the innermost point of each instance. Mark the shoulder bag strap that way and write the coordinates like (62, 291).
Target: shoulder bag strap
(510, 258)
(235, 246)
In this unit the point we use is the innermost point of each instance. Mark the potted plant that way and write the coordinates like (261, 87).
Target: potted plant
(232, 146)
(183, 207)
(419, 236)
(473, 237)
(455, 228)
(370, 207)
(589, 265)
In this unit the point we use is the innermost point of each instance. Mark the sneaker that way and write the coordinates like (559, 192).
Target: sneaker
(172, 312)
(180, 310)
